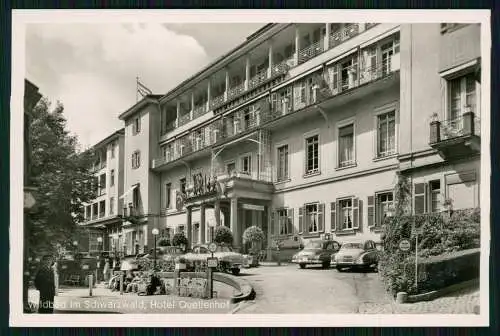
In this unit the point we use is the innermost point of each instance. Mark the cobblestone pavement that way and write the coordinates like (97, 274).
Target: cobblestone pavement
(288, 289)
(103, 300)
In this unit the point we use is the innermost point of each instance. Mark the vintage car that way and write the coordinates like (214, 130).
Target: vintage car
(229, 261)
(356, 254)
(164, 253)
(316, 252)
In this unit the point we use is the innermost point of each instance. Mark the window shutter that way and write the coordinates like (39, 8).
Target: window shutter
(291, 228)
(355, 213)
(301, 219)
(370, 208)
(333, 217)
(321, 217)
(420, 198)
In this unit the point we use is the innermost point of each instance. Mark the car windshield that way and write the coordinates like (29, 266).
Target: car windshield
(352, 246)
(313, 246)
(223, 249)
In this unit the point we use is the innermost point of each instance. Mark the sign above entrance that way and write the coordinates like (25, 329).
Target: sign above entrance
(253, 207)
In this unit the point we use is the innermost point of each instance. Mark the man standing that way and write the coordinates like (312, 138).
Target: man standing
(44, 282)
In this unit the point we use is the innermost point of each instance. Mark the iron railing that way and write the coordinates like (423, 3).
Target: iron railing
(199, 110)
(258, 78)
(217, 101)
(236, 90)
(281, 68)
(184, 119)
(311, 51)
(465, 125)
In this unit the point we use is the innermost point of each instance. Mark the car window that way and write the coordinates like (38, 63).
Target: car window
(203, 250)
(196, 249)
(335, 246)
(352, 246)
(313, 246)
(223, 249)
(329, 246)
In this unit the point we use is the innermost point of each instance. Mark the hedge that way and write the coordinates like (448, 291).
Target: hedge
(441, 234)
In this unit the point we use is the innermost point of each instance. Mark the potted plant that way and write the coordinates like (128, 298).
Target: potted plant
(253, 235)
(223, 235)
(448, 205)
(163, 241)
(180, 240)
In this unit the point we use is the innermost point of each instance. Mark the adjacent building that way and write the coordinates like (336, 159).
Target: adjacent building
(103, 220)
(302, 130)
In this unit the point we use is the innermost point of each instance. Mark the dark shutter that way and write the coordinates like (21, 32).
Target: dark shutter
(419, 198)
(291, 228)
(333, 217)
(321, 217)
(301, 219)
(370, 208)
(355, 213)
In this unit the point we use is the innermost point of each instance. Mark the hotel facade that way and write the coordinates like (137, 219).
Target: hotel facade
(302, 130)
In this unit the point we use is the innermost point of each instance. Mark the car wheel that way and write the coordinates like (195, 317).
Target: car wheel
(235, 271)
(302, 266)
(325, 264)
(340, 269)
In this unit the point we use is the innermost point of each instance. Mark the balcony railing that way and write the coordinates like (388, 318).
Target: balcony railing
(217, 101)
(200, 110)
(282, 67)
(311, 51)
(168, 126)
(465, 125)
(260, 77)
(236, 90)
(184, 119)
(344, 34)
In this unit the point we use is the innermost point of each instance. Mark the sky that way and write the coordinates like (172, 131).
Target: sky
(91, 68)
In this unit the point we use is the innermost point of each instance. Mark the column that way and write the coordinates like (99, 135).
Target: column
(202, 224)
(189, 224)
(217, 213)
(234, 224)
(208, 94)
(327, 36)
(178, 113)
(247, 72)
(270, 70)
(192, 106)
(297, 44)
(227, 84)
(269, 219)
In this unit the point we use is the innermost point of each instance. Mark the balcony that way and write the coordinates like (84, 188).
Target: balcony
(200, 110)
(459, 137)
(282, 67)
(311, 51)
(217, 101)
(184, 119)
(235, 90)
(258, 78)
(344, 34)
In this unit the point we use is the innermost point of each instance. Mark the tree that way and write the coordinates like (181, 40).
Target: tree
(61, 174)
(253, 235)
(163, 241)
(223, 235)
(179, 239)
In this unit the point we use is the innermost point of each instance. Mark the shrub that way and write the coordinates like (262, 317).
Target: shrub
(441, 234)
(179, 239)
(146, 264)
(223, 235)
(163, 241)
(253, 235)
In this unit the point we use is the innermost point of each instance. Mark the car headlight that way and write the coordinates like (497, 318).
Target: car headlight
(359, 260)
(316, 257)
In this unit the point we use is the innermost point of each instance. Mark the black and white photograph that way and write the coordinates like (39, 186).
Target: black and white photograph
(329, 168)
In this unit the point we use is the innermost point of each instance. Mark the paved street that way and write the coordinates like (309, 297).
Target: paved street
(288, 289)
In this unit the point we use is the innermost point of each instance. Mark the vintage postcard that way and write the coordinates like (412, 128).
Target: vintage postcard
(244, 168)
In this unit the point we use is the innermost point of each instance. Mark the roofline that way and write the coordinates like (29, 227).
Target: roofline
(152, 98)
(109, 138)
(221, 61)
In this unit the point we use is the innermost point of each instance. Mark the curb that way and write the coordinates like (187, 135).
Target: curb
(429, 296)
(246, 291)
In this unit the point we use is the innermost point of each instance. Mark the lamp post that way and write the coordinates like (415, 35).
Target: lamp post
(155, 233)
(99, 241)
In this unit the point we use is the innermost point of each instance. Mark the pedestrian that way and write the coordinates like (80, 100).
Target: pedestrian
(44, 283)
(106, 270)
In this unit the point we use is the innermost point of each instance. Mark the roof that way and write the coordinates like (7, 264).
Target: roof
(110, 137)
(148, 99)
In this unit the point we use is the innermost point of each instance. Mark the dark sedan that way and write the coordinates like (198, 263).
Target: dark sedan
(316, 252)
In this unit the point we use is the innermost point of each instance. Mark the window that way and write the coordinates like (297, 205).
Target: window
(348, 73)
(282, 163)
(461, 96)
(386, 134)
(102, 184)
(136, 159)
(135, 199)
(182, 185)
(180, 229)
(312, 154)
(435, 195)
(210, 233)
(388, 50)
(136, 125)
(95, 210)
(112, 178)
(284, 218)
(168, 192)
(346, 214)
(385, 203)
(230, 168)
(111, 205)
(303, 91)
(346, 146)
(102, 209)
(113, 145)
(311, 219)
(246, 164)
(88, 214)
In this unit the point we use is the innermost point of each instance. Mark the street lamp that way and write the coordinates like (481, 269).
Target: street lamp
(155, 233)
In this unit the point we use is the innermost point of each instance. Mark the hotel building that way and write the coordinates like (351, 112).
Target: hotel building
(302, 130)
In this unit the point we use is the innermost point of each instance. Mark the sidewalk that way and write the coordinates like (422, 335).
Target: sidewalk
(103, 300)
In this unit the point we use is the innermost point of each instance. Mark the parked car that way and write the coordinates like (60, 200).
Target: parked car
(163, 253)
(357, 254)
(316, 252)
(228, 259)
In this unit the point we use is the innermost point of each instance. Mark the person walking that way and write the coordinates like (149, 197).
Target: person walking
(106, 270)
(44, 283)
